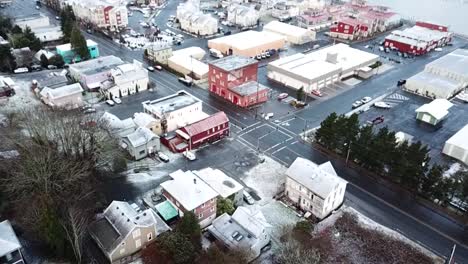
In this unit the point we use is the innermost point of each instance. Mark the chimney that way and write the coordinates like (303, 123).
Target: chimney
(332, 57)
(194, 181)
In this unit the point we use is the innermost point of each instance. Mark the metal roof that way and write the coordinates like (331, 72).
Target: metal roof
(205, 124)
(8, 240)
(233, 62)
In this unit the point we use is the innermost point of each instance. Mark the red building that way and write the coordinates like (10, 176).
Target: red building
(210, 129)
(350, 29)
(420, 39)
(235, 79)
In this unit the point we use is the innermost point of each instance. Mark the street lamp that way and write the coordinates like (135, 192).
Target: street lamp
(349, 151)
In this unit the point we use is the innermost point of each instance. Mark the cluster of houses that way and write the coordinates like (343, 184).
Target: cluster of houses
(123, 229)
(193, 20)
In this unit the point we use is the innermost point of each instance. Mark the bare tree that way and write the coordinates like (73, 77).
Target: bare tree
(292, 252)
(55, 180)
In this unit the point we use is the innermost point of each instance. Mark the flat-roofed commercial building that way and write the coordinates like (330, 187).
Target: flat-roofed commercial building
(293, 34)
(320, 68)
(248, 43)
(457, 146)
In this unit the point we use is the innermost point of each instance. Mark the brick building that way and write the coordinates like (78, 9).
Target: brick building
(188, 193)
(235, 79)
(350, 29)
(209, 129)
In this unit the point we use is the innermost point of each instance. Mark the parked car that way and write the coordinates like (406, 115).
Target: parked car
(258, 57)
(438, 49)
(401, 82)
(36, 68)
(189, 155)
(163, 157)
(317, 93)
(89, 110)
(57, 17)
(382, 105)
(158, 67)
(187, 82)
(248, 198)
(356, 104)
(282, 96)
(150, 68)
(110, 102)
(51, 67)
(21, 70)
(268, 116)
(378, 120)
(366, 99)
(117, 100)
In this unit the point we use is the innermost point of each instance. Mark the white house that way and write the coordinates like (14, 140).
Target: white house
(123, 230)
(109, 14)
(243, 16)
(68, 96)
(250, 227)
(118, 128)
(126, 79)
(159, 52)
(40, 25)
(193, 20)
(225, 186)
(314, 188)
(141, 143)
(174, 111)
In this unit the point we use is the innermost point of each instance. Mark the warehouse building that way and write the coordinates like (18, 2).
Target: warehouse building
(420, 39)
(194, 52)
(190, 66)
(320, 68)
(434, 112)
(293, 34)
(442, 78)
(457, 146)
(248, 43)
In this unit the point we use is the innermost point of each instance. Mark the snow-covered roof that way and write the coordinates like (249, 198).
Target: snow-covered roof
(190, 64)
(115, 123)
(456, 62)
(440, 86)
(170, 103)
(67, 46)
(194, 52)
(320, 179)
(248, 39)
(224, 185)
(120, 218)
(189, 190)
(62, 91)
(105, 63)
(8, 240)
(437, 108)
(327, 61)
(233, 62)
(141, 136)
(459, 139)
(251, 220)
(143, 119)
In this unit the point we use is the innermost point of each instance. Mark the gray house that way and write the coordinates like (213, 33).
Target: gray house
(141, 143)
(124, 229)
(10, 247)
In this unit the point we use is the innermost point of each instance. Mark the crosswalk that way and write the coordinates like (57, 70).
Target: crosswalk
(395, 99)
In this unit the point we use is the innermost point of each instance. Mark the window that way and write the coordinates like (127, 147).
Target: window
(300, 188)
(212, 209)
(142, 152)
(203, 205)
(9, 256)
(138, 243)
(200, 216)
(149, 236)
(214, 71)
(136, 233)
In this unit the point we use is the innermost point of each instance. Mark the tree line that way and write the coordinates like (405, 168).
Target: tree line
(405, 163)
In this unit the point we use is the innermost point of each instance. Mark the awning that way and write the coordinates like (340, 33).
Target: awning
(166, 210)
(182, 134)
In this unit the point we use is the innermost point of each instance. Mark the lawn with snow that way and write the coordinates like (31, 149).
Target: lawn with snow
(23, 99)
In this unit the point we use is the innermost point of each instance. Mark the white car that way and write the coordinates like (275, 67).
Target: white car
(189, 155)
(117, 100)
(110, 102)
(366, 99)
(163, 157)
(438, 49)
(382, 105)
(248, 198)
(357, 104)
(151, 68)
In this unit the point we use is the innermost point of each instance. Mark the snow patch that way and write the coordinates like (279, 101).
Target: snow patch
(146, 176)
(23, 99)
(266, 178)
(454, 168)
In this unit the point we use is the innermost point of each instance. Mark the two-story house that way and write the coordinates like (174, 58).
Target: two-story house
(10, 247)
(188, 193)
(235, 79)
(123, 230)
(314, 188)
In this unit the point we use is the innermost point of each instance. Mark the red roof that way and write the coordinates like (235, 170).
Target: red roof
(206, 124)
(351, 21)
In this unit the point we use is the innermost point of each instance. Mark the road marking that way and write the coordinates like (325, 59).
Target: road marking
(278, 150)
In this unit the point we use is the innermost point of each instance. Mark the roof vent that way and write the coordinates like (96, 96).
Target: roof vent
(194, 181)
(122, 213)
(128, 220)
(117, 208)
(228, 184)
(171, 104)
(137, 217)
(144, 214)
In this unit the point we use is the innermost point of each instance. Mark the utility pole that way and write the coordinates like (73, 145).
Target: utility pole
(451, 259)
(348, 152)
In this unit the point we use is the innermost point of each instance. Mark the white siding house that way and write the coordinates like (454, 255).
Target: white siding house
(193, 20)
(243, 16)
(314, 188)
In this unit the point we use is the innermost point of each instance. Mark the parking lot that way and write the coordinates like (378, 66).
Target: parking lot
(402, 117)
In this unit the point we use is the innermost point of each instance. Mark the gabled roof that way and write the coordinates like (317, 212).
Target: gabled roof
(459, 138)
(143, 119)
(119, 220)
(189, 190)
(142, 135)
(207, 123)
(63, 91)
(320, 179)
(8, 240)
(253, 221)
(437, 108)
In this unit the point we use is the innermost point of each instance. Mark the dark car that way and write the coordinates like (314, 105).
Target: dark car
(401, 82)
(227, 33)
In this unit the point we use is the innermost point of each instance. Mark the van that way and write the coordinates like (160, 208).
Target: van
(21, 70)
(36, 68)
(187, 82)
(216, 53)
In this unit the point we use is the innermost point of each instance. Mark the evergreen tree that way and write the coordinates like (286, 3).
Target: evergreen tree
(44, 61)
(224, 206)
(300, 94)
(327, 134)
(78, 43)
(16, 30)
(34, 42)
(348, 130)
(361, 148)
(432, 182)
(189, 227)
(57, 60)
(7, 61)
(66, 22)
